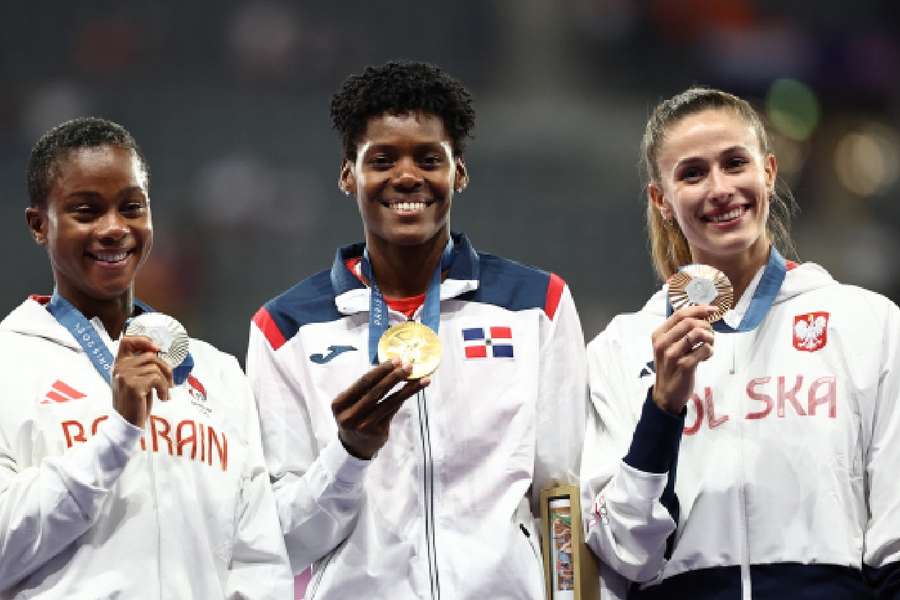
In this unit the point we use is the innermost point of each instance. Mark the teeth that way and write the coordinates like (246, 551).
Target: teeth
(111, 257)
(732, 214)
(408, 206)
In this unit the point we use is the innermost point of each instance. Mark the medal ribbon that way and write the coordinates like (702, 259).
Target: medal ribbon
(378, 310)
(90, 341)
(763, 297)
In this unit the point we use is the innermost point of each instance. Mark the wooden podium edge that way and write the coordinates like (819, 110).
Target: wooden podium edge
(587, 577)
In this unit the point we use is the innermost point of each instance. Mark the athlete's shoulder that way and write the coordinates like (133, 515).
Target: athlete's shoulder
(811, 281)
(309, 301)
(516, 286)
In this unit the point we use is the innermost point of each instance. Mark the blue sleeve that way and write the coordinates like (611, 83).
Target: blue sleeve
(654, 449)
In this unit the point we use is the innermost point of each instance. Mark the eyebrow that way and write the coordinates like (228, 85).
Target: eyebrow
(90, 195)
(729, 150)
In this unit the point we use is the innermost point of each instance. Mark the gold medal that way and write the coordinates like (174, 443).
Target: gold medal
(695, 285)
(413, 343)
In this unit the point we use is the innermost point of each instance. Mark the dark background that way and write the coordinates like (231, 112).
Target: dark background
(229, 100)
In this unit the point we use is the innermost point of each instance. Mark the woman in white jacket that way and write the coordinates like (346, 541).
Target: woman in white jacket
(105, 493)
(765, 468)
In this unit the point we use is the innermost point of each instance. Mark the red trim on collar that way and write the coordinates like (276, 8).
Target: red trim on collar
(40, 298)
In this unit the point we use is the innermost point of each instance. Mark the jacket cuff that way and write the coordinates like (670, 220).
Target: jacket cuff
(342, 466)
(121, 433)
(656, 439)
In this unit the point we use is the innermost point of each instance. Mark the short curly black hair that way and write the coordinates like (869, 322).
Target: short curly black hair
(55, 145)
(397, 88)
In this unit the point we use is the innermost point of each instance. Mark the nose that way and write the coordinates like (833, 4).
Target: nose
(721, 187)
(112, 227)
(406, 175)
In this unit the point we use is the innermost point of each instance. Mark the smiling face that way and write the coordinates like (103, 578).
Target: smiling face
(403, 178)
(95, 224)
(715, 182)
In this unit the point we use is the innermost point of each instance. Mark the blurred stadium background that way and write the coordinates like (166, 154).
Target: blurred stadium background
(229, 100)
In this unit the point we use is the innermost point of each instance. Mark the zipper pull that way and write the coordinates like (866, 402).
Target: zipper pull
(524, 530)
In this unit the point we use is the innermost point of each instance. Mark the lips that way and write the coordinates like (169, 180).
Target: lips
(110, 258)
(407, 205)
(731, 214)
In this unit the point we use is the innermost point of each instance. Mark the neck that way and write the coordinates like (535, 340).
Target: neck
(404, 271)
(112, 312)
(742, 268)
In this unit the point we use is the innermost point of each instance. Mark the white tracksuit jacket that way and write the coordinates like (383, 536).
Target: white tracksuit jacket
(445, 509)
(92, 507)
(789, 460)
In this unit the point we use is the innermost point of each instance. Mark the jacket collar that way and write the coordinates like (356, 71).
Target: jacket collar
(352, 296)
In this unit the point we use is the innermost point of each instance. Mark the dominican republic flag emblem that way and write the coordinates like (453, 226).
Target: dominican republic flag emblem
(811, 331)
(484, 342)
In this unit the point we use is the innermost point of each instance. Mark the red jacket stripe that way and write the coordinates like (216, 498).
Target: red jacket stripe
(554, 293)
(267, 325)
(68, 391)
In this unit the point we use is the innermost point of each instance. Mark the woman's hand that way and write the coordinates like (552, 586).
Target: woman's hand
(363, 412)
(683, 341)
(137, 372)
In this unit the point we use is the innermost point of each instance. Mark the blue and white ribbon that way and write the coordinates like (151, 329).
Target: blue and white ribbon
(378, 311)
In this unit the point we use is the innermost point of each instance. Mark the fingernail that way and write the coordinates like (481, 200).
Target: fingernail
(396, 361)
(425, 381)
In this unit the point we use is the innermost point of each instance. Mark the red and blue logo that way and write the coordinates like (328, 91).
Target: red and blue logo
(485, 342)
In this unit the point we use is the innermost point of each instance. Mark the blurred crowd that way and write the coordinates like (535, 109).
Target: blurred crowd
(229, 101)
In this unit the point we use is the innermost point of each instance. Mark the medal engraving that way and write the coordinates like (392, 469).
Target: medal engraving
(415, 344)
(696, 285)
(166, 332)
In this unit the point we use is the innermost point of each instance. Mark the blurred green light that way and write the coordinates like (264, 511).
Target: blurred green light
(793, 109)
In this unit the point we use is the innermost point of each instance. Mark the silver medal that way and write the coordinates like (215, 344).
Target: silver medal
(166, 332)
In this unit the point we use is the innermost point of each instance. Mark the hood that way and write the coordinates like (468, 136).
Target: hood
(32, 318)
(800, 278)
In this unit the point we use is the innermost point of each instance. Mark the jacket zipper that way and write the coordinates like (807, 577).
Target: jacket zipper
(743, 510)
(320, 574)
(534, 549)
(428, 485)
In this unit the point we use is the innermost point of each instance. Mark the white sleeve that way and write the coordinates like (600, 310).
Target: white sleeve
(318, 494)
(881, 561)
(562, 400)
(259, 566)
(46, 507)
(627, 523)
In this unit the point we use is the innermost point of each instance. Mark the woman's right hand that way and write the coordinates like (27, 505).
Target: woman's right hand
(137, 372)
(363, 411)
(683, 341)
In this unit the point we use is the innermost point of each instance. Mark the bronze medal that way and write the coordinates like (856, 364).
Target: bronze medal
(695, 285)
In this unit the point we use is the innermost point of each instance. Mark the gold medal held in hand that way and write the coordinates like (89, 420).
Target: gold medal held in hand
(695, 285)
(412, 343)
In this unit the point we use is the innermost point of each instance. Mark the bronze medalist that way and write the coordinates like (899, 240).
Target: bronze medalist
(695, 285)
(413, 343)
